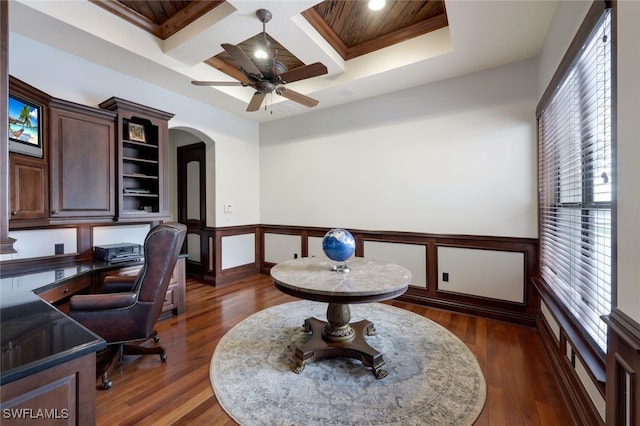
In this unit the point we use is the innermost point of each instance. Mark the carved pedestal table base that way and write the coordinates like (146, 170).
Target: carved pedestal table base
(337, 338)
(366, 281)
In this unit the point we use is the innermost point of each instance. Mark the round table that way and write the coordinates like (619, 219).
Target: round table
(316, 279)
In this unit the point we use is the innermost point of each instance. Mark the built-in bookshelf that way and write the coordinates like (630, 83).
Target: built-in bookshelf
(141, 159)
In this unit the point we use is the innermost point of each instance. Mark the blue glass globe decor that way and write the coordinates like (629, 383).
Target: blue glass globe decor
(339, 245)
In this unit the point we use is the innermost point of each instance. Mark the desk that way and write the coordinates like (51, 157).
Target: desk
(367, 281)
(48, 360)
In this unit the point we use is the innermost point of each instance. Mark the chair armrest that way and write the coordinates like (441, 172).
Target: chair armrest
(118, 283)
(98, 302)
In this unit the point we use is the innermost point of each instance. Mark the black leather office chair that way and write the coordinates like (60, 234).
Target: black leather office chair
(125, 313)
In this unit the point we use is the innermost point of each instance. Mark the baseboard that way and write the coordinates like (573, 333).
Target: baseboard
(524, 319)
(234, 274)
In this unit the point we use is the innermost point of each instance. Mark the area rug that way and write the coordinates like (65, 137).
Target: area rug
(433, 378)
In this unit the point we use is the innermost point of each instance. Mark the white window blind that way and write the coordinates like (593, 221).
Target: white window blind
(575, 183)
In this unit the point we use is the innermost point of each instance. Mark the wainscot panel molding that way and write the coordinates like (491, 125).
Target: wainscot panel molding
(563, 354)
(429, 295)
(623, 369)
(212, 254)
(521, 313)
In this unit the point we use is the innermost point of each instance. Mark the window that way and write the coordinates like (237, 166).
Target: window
(575, 181)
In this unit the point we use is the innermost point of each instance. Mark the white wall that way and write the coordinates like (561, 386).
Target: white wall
(120, 234)
(564, 26)
(30, 243)
(628, 158)
(454, 157)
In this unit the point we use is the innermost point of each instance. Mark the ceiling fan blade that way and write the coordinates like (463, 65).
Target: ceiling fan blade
(297, 97)
(255, 102)
(241, 58)
(218, 83)
(305, 71)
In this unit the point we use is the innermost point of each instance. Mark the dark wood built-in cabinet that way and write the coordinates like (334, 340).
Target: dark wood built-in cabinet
(29, 175)
(141, 155)
(82, 169)
(48, 363)
(29, 190)
(60, 294)
(98, 164)
(68, 392)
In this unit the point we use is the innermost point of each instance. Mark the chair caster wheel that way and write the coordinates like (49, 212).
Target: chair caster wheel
(156, 338)
(163, 357)
(107, 384)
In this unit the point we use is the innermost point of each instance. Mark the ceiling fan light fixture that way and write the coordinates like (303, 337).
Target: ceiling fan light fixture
(376, 5)
(267, 76)
(260, 53)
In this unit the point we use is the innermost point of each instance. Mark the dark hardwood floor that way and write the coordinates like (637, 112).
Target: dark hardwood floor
(521, 389)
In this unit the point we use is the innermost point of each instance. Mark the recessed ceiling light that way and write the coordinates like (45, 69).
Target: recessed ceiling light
(376, 4)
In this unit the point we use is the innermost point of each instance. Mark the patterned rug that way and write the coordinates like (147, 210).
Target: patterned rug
(434, 379)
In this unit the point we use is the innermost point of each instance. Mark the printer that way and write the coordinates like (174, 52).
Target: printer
(121, 252)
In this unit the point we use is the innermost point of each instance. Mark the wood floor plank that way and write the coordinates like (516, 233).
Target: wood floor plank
(521, 389)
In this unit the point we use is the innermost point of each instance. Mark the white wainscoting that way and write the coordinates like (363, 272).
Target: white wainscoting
(314, 247)
(238, 250)
(551, 321)
(411, 256)
(597, 399)
(485, 273)
(281, 247)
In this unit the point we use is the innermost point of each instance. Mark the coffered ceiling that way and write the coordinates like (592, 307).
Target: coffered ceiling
(366, 53)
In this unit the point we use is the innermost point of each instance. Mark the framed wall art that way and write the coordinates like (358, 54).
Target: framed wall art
(136, 133)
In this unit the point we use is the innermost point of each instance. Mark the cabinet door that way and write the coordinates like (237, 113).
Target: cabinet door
(28, 187)
(67, 390)
(82, 162)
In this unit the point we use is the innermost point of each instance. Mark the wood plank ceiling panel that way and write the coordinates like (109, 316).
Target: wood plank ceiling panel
(158, 17)
(349, 26)
(353, 30)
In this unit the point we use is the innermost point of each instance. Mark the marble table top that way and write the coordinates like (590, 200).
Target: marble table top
(368, 280)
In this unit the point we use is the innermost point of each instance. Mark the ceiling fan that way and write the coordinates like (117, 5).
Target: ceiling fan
(268, 75)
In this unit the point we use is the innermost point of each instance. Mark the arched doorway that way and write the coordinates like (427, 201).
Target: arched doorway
(192, 202)
(191, 194)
